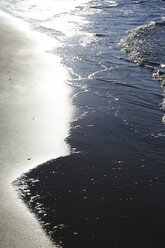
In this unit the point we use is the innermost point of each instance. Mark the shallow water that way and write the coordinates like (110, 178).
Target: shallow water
(115, 176)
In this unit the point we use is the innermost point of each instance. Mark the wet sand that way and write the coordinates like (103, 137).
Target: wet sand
(35, 113)
(87, 200)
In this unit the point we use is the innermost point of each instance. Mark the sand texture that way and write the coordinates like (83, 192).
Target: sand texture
(32, 127)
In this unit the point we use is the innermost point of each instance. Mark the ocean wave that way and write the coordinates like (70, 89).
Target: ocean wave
(145, 46)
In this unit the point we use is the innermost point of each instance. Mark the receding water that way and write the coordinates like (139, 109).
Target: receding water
(110, 191)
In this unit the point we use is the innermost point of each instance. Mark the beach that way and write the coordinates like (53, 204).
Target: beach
(32, 128)
(82, 124)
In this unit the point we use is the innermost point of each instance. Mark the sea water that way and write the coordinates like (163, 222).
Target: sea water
(110, 191)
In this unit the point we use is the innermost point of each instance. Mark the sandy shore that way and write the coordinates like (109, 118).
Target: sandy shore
(35, 113)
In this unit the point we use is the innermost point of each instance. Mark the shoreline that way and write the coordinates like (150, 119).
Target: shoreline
(32, 126)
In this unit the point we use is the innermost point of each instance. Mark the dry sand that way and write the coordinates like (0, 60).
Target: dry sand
(34, 116)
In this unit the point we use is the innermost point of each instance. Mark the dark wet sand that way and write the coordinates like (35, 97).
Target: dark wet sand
(87, 200)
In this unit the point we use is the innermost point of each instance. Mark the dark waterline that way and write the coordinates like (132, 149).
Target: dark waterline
(86, 200)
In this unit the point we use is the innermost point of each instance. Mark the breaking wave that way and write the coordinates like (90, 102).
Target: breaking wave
(146, 47)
